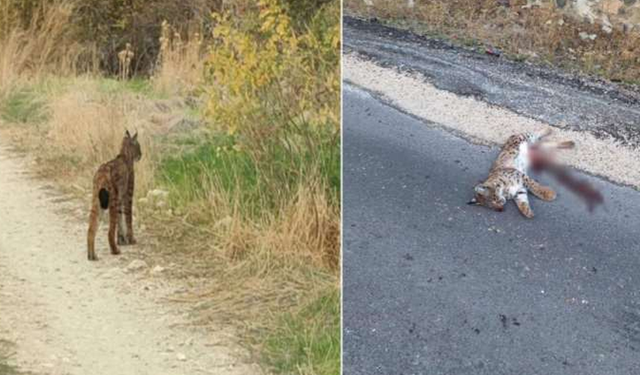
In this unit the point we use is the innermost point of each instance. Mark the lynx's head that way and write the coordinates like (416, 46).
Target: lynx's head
(489, 195)
(131, 147)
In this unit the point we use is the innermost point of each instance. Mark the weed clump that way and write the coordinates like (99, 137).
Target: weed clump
(539, 34)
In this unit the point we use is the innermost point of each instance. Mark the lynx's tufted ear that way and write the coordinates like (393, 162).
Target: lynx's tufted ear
(126, 134)
(135, 136)
(479, 190)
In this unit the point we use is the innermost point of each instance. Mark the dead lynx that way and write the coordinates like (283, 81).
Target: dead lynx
(113, 186)
(508, 177)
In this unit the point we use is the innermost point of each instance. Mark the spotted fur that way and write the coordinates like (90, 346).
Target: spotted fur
(508, 179)
(113, 186)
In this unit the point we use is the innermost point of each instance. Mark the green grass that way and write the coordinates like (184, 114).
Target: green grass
(23, 106)
(260, 177)
(216, 159)
(307, 342)
(136, 85)
(27, 104)
(5, 369)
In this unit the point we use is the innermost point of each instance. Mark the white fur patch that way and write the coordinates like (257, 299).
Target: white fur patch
(522, 159)
(122, 231)
(513, 190)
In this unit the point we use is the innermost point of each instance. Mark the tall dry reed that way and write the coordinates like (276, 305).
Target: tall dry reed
(180, 65)
(46, 46)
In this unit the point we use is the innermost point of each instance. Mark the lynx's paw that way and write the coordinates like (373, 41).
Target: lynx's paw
(523, 206)
(547, 194)
(122, 240)
(526, 211)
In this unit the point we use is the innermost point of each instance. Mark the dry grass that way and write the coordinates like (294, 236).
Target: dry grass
(180, 66)
(84, 127)
(87, 126)
(539, 33)
(45, 46)
(309, 226)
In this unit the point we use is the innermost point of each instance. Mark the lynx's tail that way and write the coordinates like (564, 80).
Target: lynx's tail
(103, 195)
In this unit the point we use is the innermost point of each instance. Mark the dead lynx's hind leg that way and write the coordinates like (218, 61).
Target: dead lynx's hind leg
(543, 192)
(562, 145)
(522, 201)
(544, 133)
(113, 222)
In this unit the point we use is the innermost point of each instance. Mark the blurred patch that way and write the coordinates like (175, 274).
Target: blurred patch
(542, 159)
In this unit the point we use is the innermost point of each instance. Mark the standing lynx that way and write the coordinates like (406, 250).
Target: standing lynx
(508, 177)
(113, 186)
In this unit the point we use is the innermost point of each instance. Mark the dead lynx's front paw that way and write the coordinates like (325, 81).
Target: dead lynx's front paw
(548, 194)
(131, 240)
(122, 240)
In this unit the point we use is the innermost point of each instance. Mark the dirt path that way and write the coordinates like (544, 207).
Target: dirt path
(69, 316)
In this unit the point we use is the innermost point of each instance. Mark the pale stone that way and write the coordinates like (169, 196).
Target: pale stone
(137, 265)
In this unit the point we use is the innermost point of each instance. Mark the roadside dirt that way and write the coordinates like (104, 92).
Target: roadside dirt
(67, 315)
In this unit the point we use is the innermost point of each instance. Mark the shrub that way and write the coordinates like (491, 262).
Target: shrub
(263, 75)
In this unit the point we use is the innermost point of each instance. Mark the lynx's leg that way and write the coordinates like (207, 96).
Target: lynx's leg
(122, 232)
(93, 228)
(562, 145)
(128, 210)
(113, 218)
(522, 201)
(543, 192)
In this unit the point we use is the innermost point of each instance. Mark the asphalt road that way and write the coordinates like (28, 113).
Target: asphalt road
(433, 286)
(564, 100)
